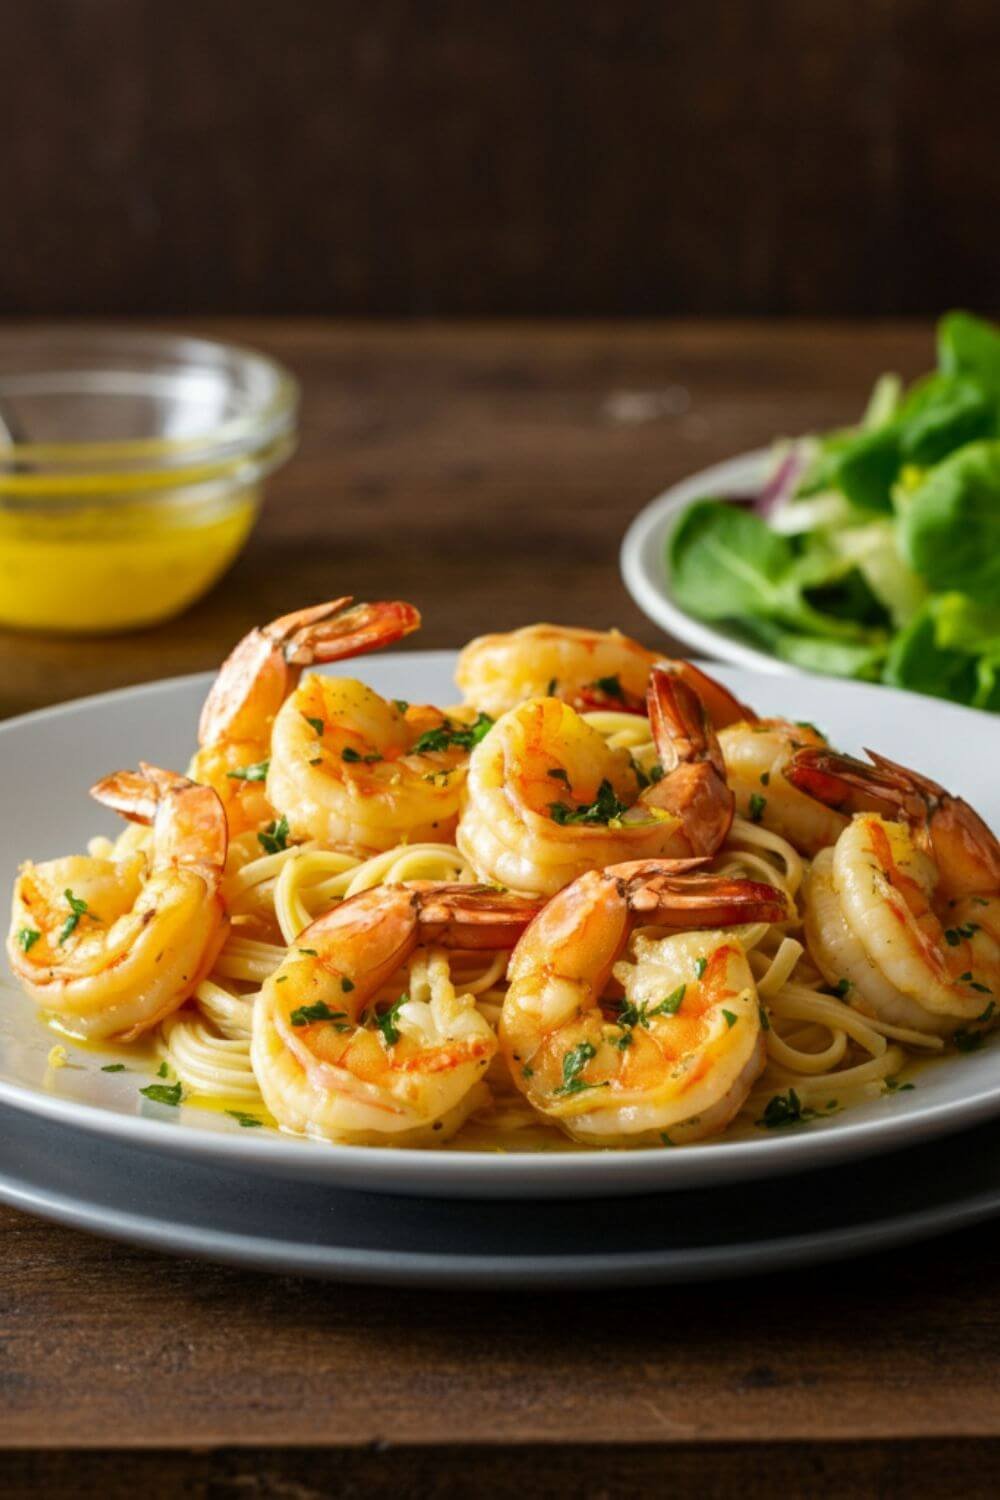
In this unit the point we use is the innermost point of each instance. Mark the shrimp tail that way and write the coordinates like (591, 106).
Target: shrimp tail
(190, 821)
(722, 706)
(471, 916)
(964, 848)
(695, 789)
(706, 900)
(261, 671)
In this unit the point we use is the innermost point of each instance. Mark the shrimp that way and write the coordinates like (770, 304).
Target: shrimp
(331, 1064)
(756, 752)
(547, 798)
(585, 668)
(109, 947)
(351, 769)
(674, 1059)
(257, 677)
(903, 914)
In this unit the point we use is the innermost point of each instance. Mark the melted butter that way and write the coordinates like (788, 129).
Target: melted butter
(115, 566)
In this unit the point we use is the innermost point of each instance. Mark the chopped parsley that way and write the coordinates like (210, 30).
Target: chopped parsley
(656, 772)
(113, 1068)
(386, 1022)
(27, 937)
(400, 705)
(164, 1093)
(757, 806)
(665, 1138)
(632, 1015)
(77, 908)
(274, 838)
(550, 691)
(841, 988)
(966, 1040)
(985, 1015)
(765, 1019)
(807, 724)
(558, 774)
(640, 774)
(954, 935)
(700, 965)
(893, 1086)
(454, 736)
(527, 1071)
(163, 1071)
(765, 778)
(731, 1019)
(574, 1062)
(304, 1015)
(611, 687)
(256, 772)
(318, 724)
(605, 806)
(242, 1118)
(347, 985)
(309, 952)
(785, 1109)
(353, 756)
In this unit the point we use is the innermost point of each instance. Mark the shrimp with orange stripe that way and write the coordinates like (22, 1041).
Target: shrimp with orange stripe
(903, 913)
(671, 1056)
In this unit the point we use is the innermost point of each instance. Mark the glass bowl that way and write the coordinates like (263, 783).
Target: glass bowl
(132, 468)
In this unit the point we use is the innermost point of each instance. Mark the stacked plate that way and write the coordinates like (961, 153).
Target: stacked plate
(84, 1147)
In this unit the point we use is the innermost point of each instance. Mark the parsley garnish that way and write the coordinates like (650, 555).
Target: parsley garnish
(893, 1086)
(527, 1071)
(317, 724)
(841, 987)
(985, 1015)
(785, 1109)
(558, 774)
(386, 1023)
(354, 756)
(454, 736)
(765, 1019)
(77, 909)
(808, 724)
(550, 691)
(304, 1015)
(574, 1062)
(967, 1041)
(640, 1015)
(162, 1071)
(757, 806)
(347, 985)
(656, 772)
(242, 1118)
(700, 965)
(400, 705)
(164, 1093)
(26, 938)
(274, 838)
(765, 778)
(665, 1138)
(113, 1068)
(611, 687)
(605, 806)
(251, 773)
(731, 1019)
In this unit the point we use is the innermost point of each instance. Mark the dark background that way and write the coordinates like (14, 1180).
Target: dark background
(484, 157)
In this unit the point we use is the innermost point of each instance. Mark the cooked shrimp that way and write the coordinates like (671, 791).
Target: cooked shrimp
(586, 668)
(547, 798)
(756, 752)
(257, 677)
(674, 1059)
(109, 947)
(350, 768)
(331, 1064)
(904, 915)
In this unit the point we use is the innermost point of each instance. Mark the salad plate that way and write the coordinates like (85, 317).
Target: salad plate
(53, 756)
(646, 573)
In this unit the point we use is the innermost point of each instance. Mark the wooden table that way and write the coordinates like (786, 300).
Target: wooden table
(487, 474)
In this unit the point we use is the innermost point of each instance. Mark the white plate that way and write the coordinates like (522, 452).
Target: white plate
(48, 759)
(643, 561)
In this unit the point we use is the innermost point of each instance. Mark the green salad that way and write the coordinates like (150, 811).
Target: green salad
(872, 551)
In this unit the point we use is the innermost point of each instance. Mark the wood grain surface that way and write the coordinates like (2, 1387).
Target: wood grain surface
(487, 473)
(463, 157)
